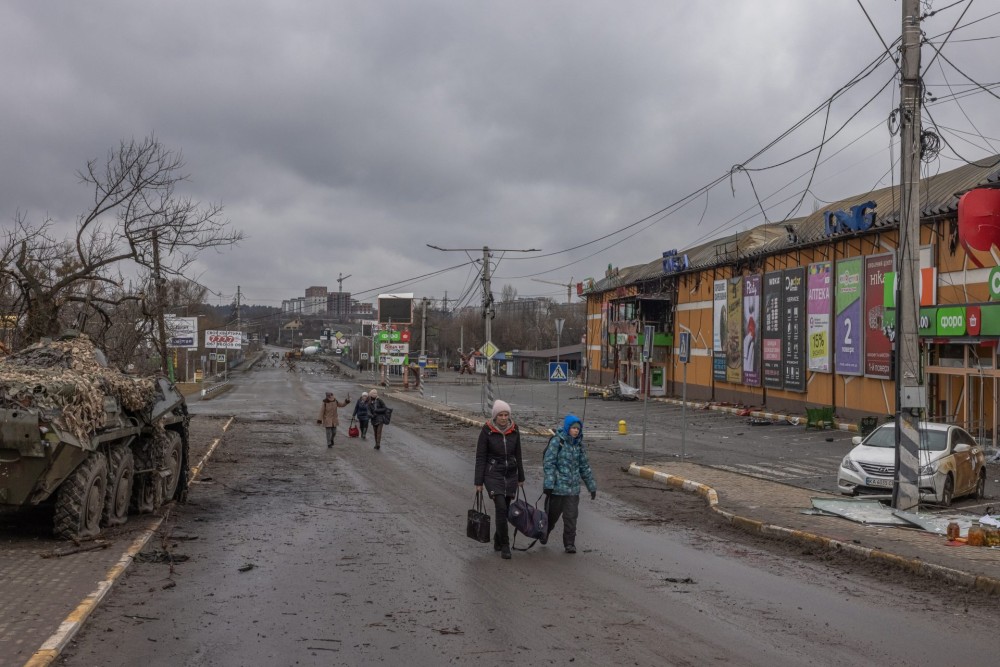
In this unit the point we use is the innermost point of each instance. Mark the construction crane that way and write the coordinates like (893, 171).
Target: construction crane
(340, 281)
(568, 286)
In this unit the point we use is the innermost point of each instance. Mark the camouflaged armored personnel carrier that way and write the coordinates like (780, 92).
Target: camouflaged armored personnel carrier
(91, 441)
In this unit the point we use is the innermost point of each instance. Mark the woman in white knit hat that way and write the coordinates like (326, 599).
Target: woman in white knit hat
(499, 468)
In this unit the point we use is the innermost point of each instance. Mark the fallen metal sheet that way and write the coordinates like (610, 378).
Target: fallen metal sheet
(860, 511)
(937, 523)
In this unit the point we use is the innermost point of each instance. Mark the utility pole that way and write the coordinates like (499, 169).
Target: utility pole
(445, 301)
(239, 298)
(911, 397)
(488, 312)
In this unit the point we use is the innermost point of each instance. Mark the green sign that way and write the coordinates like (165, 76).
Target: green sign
(994, 283)
(991, 320)
(383, 336)
(394, 336)
(889, 290)
(951, 321)
(927, 325)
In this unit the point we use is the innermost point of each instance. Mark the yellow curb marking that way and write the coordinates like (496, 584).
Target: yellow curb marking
(52, 647)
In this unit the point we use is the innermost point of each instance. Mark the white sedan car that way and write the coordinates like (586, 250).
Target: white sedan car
(951, 464)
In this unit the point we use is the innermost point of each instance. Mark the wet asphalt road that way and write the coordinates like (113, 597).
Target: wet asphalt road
(297, 554)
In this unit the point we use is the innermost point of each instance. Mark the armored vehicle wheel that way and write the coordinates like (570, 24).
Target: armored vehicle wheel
(81, 499)
(147, 493)
(172, 456)
(121, 470)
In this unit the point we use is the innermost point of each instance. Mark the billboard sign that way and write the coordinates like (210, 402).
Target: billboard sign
(395, 308)
(734, 331)
(818, 305)
(771, 331)
(751, 331)
(223, 340)
(848, 333)
(878, 346)
(793, 342)
(719, 330)
(181, 331)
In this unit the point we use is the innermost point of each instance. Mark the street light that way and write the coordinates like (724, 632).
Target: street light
(559, 327)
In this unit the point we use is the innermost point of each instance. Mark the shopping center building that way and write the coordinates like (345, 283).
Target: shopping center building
(801, 313)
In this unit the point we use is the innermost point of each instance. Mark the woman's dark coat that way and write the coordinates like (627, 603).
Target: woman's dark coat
(377, 408)
(362, 410)
(498, 459)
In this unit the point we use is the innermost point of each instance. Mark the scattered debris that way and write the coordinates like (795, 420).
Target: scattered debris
(59, 553)
(678, 580)
(247, 567)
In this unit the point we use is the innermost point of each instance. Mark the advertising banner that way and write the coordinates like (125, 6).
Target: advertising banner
(751, 332)
(818, 305)
(181, 331)
(719, 330)
(793, 295)
(223, 340)
(771, 331)
(394, 348)
(878, 347)
(734, 331)
(848, 342)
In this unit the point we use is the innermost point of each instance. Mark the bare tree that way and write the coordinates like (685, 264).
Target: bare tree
(135, 203)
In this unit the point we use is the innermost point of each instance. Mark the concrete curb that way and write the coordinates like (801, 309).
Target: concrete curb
(914, 566)
(52, 647)
(794, 419)
(528, 430)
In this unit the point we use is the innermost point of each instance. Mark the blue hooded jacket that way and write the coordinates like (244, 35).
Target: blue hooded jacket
(565, 462)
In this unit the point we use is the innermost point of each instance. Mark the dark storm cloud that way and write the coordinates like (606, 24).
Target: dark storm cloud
(344, 136)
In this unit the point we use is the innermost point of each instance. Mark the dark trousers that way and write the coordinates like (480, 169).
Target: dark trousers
(377, 428)
(567, 507)
(501, 502)
(363, 423)
(331, 433)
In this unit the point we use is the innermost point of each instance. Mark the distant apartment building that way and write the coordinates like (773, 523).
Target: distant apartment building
(316, 290)
(338, 304)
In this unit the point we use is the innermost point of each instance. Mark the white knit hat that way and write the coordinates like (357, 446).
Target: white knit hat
(500, 406)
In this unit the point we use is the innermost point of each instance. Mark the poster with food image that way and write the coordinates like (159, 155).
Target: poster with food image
(771, 332)
(751, 331)
(734, 332)
(719, 329)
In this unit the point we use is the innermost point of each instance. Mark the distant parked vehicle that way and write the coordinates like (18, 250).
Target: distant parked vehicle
(951, 464)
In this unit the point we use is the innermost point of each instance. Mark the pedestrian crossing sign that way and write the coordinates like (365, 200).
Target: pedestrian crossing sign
(558, 371)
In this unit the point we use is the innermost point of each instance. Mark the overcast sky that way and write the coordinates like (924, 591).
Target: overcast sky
(342, 137)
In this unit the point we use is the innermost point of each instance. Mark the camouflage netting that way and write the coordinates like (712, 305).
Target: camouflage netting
(65, 380)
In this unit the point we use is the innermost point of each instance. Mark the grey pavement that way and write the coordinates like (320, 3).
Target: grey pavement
(40, 591)
(757, 505)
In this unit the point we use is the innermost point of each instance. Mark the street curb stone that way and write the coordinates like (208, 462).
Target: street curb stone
(912, 565)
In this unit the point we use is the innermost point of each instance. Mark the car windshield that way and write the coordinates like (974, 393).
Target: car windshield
(885, 436)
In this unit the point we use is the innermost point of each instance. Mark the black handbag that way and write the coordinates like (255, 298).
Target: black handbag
(478, 524)
(387, 416)
(530, 521)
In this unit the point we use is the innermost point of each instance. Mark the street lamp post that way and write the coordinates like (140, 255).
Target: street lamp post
(559, 327)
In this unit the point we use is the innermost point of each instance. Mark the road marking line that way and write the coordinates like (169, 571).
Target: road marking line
(52, 647)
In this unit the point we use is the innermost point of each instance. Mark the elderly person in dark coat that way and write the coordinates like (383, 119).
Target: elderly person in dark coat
(499, 468)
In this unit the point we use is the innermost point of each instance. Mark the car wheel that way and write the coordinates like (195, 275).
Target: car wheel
(948, 493)
(980, 491)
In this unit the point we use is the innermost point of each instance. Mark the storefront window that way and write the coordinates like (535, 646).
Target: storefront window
(949, 356)
(981, 356)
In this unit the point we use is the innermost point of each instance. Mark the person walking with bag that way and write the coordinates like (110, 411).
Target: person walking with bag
(380, 415)
(328, 416)
(499, 468)
(565, 463)
(362, 412)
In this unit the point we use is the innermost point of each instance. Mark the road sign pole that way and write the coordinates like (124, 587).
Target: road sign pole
(559, 327)
(645, 410)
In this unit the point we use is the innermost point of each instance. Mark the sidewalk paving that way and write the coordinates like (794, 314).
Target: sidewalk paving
(776, 510)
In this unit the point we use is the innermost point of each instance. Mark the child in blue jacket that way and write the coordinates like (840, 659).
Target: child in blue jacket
(565, 464)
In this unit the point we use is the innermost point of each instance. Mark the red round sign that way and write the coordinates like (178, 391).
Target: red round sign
(404, 336)
(973, 320)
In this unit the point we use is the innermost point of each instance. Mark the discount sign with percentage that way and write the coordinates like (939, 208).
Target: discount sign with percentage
(223, 340)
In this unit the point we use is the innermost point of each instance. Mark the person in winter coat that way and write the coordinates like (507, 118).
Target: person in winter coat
(362, 412)
(565, 464)
(328, 416)
(378, 410)
(499, 468)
